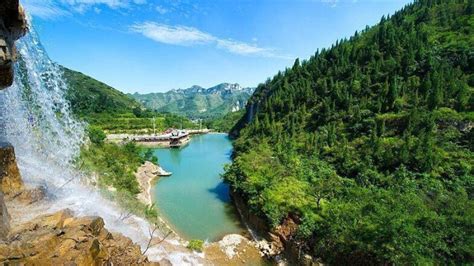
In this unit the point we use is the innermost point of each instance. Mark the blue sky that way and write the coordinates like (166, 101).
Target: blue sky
(158, 45)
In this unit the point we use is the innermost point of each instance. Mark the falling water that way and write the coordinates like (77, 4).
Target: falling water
(37, 120)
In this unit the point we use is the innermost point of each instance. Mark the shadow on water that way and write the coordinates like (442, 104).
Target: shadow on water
(229, 153)
(175, 156)
(221, 192)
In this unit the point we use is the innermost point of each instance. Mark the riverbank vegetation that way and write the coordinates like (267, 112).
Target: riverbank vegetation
(113, 167)
(195, 245)
(368, 145)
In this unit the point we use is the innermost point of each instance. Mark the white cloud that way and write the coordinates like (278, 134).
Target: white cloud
(187, 36)
(242, 48)
(50, 9)
(110, 3)
(43, 9)
(332, 3)
(162, 10)
(178, 35)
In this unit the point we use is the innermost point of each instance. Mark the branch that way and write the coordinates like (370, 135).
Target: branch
(152, 232)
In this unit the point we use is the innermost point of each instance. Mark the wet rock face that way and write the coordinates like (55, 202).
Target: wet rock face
(4, 218)
(9, 173)
(62, 239)
(12, 26)
(10, 182)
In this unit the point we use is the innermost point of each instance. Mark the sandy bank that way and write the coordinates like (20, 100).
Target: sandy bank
(146, 174)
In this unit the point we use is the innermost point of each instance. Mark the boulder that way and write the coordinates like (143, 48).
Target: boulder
(10, 177)
(233, 249)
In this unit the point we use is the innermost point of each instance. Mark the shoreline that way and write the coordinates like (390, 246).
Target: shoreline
(236, 247)
(147, 174)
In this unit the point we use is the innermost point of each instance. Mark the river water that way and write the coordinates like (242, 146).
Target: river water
(194, 200)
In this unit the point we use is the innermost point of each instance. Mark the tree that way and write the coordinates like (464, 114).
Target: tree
(96, 135)
(138, 112)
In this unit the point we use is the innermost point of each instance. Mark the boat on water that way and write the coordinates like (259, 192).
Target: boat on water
(179, 138)
(162, 172)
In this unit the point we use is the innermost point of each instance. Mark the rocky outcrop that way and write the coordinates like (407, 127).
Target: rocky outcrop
(252, 220)
(10, 178)
(12, 26)
(60, 238)
(276, 241)
(233, 249)
(10, 183)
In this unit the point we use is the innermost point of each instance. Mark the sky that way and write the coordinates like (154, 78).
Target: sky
(157, 45)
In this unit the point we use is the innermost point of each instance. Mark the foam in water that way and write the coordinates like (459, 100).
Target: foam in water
(37, 120)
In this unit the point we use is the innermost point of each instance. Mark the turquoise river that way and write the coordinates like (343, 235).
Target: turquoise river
(194, 200)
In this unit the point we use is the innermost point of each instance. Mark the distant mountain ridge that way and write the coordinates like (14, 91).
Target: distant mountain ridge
(198, 102)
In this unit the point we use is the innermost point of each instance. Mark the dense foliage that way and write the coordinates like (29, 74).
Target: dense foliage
(197, 102)
(225, 122)
(369, 145)
(114, 164)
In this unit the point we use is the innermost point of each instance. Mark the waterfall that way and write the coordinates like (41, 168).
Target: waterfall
(36, 118)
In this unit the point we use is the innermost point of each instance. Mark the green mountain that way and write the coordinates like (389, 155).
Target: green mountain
(198, 102)
(368, 146)
(88, 95)
(109, 109)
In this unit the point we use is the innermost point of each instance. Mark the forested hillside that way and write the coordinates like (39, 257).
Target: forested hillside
(369, 145)
(224, 123)
(89, 96)
(197, 102)
(103, 106)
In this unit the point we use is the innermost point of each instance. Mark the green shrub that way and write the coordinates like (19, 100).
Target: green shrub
(196, 245)
(96, 135)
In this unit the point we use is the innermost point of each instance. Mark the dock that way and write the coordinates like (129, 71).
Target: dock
(171, 138)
